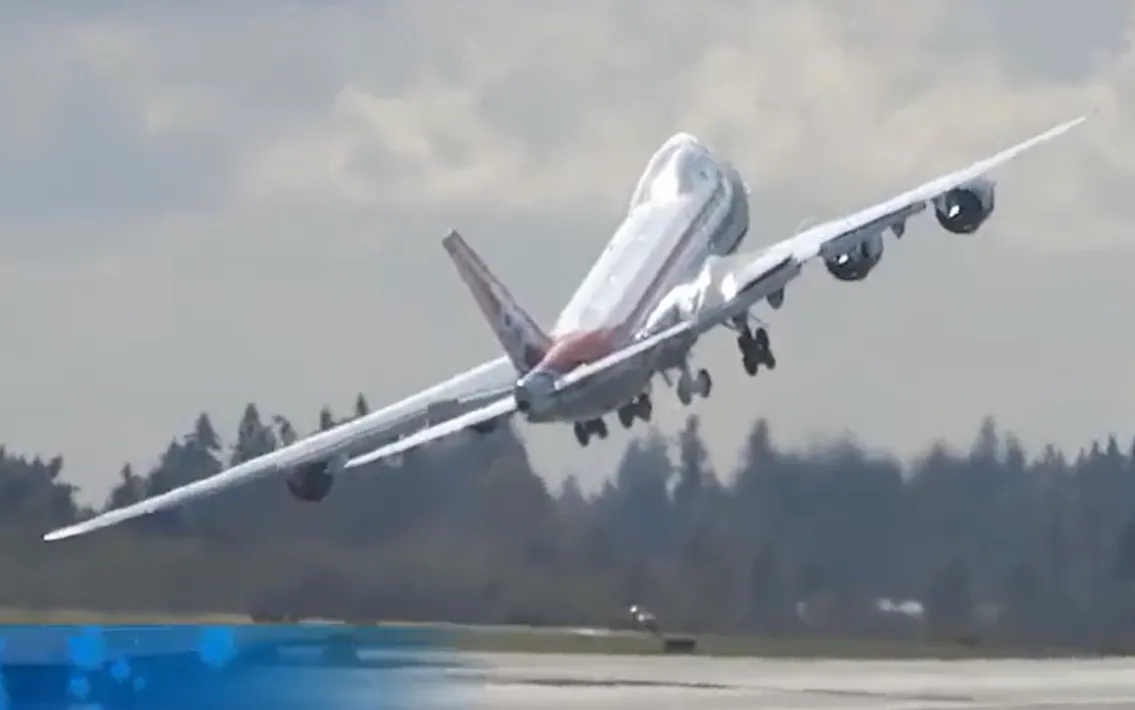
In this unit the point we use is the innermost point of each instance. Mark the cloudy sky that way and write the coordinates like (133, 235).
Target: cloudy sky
(206, 204)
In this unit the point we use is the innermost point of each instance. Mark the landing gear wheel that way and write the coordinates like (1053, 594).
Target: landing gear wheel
(755, 351)
(684, 390)
(750, 364)
(645, 408)
(746, 344)
(627, 415)
(704, 383)
(599, 428)
(760, 339)
(581, 434)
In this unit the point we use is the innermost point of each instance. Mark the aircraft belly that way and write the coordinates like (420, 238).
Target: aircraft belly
(600, 396)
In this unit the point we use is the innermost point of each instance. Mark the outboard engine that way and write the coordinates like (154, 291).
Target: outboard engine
(311, 483)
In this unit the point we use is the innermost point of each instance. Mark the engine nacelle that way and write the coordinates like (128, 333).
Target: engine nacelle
(856, 264)
(311, 483)
(964, 209)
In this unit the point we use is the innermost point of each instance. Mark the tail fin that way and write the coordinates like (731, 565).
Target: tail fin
(523, 340)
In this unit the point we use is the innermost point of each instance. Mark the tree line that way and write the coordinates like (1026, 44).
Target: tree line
(1036, 547)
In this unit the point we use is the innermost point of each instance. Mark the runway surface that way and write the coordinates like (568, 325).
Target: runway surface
(577, 681)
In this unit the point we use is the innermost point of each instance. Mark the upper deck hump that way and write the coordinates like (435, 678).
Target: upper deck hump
(679, 143)
(677, 184)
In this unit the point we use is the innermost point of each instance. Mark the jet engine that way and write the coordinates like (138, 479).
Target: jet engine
(857, 263)
(311, 483)
(964, 209)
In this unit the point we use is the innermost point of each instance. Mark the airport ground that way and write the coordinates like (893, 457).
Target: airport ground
(562, 681)
(581, 641)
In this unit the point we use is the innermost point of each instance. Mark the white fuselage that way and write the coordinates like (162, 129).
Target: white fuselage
(688, 206)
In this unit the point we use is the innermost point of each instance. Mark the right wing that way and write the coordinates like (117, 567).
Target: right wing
(452, 397)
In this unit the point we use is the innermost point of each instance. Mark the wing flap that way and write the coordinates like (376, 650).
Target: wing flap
(752, 274)
(498, 409)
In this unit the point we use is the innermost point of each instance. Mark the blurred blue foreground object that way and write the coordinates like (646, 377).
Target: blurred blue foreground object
(192, 667)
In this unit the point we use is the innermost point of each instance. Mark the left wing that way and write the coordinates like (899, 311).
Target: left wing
(451, 397)
(641, 350)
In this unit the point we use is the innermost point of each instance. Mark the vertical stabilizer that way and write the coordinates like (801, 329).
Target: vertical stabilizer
(523, 340)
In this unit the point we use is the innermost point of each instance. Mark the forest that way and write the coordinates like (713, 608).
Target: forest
(1028, 547)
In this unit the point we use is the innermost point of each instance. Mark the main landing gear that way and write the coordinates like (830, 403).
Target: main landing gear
(689, 385)
(755, 349)
(641, 408)
(584, 430)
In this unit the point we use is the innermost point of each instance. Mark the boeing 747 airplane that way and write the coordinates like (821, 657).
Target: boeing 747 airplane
(669, 274)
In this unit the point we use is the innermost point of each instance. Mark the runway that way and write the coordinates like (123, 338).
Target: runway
(610, 682)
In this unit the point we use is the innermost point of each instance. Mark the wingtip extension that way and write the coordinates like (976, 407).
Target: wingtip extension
(1081, 118)
(1063, 128)
(68, 532)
